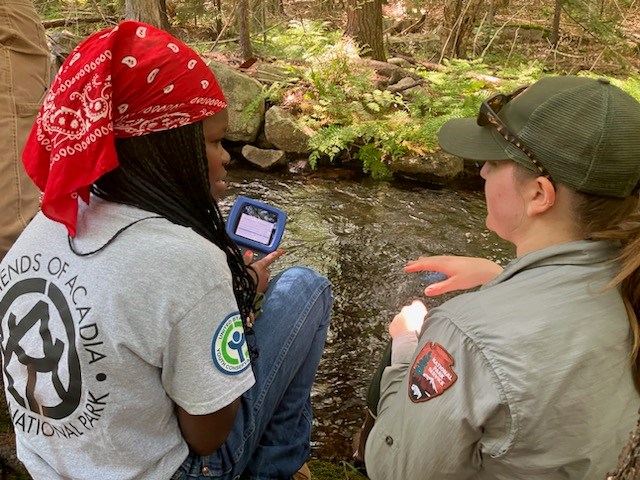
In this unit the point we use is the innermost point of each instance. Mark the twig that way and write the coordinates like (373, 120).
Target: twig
(598, 59)
(226, 25)
(497, 32)
(568, 55)
(620, 8)
(231, 40)
(606, 45)
(493, 37)
(478, 30)
(513, 44)
(61, 22)
(415, 25)
(456, 26)
(99, 10)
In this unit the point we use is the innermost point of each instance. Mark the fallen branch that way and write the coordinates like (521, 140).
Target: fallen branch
(63, 22)
(416, 26)
(224, 28)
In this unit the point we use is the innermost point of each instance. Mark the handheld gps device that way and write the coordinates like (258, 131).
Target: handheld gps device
(255, 226)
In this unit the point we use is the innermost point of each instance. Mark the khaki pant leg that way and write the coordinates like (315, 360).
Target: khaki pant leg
(24, 78)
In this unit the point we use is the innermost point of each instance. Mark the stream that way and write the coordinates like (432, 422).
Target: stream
(360, 233)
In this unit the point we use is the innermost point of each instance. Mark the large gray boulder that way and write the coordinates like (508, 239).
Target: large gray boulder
(264, 158)
(403, 84)
(282, 130)
(241, 92)
(438, 168)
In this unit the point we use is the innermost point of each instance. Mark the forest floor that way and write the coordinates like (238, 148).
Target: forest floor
(607, 43)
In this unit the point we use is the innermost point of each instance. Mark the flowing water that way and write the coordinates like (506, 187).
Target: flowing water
(360, 233)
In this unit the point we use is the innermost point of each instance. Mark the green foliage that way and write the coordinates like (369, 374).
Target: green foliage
(22, 475)
(353, 119)
(191, 11)
(324, 82)
(56, 9)
(330, 471)
(631, 85)
(47, 9)
(332, 140)
(350, 115)
(5, 421)
(380, 100)
(371, 157)
(271, 93)
(335, 75)
(586, 13)
(299, 40)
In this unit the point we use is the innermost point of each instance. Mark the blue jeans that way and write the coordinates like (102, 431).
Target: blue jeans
(270, 438)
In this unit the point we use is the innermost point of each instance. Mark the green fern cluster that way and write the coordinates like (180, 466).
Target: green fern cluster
(299, 40)
(354, 119)
(270, 93)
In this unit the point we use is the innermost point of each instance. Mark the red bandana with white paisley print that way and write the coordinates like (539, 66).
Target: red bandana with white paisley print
(121, 82)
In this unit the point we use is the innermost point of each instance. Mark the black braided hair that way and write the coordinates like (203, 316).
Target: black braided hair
(167, 173)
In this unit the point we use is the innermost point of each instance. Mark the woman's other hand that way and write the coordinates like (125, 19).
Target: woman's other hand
(462, 272)
(410, 319)
(262, 268)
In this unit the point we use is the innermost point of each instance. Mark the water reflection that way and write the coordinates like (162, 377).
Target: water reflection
(360, 234)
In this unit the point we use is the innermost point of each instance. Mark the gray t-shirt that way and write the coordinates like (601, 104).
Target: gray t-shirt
(97, 349)
(528, 378)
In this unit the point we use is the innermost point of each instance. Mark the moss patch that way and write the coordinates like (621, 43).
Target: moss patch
(321, 470)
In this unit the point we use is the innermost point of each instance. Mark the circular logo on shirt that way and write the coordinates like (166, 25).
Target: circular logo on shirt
(51, 348)
(229, 347)
(38, 309)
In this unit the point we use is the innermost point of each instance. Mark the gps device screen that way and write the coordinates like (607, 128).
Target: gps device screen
(256, 224)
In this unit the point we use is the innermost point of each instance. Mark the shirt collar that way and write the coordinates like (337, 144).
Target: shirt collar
(582, 252)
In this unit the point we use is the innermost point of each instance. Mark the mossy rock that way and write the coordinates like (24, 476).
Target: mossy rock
(321, 470)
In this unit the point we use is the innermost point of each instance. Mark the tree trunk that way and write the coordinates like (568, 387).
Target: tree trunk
(492, 13)
(494, 6)
(274, 7)
(218, 9)
(364, 24)
(153, 12)
(244, 29)
(459, 19)
(555, 28)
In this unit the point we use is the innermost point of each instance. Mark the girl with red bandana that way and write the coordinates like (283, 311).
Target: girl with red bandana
(129, 341)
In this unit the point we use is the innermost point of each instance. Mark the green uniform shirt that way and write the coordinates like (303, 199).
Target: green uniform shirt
(527, 378)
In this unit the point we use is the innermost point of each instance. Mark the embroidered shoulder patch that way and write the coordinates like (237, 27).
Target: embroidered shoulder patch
(229, 347)
(431, 373)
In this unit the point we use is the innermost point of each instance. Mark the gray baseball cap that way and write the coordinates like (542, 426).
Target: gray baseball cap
(585, 132)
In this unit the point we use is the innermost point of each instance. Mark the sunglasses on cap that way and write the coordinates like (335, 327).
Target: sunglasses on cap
(488, 115)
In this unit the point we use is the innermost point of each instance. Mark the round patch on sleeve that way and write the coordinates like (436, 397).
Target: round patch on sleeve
(431, 374)
(229, 346)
